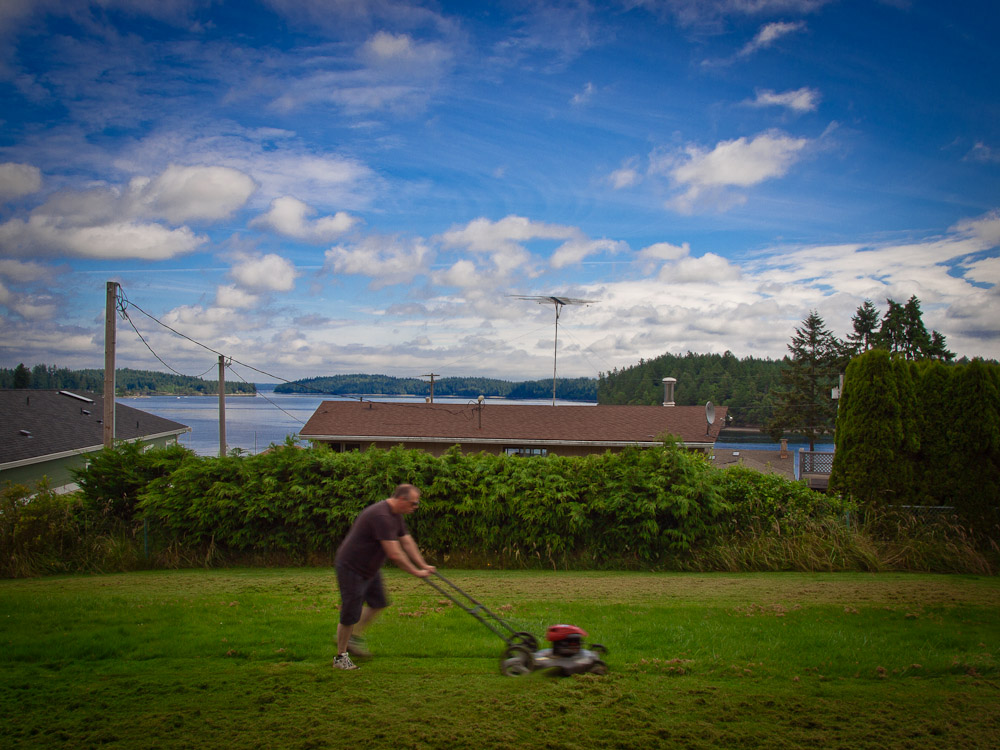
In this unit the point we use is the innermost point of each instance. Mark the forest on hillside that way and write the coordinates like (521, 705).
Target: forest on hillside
(128, 382)
(744, 385)
(570, 389)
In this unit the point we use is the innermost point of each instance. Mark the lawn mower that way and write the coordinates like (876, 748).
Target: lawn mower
(565, 656)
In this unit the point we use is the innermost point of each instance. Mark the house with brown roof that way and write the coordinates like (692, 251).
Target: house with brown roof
(49, 433)
(515, 429)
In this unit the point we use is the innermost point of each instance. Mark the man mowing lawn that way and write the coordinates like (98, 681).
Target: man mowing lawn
(378, 532)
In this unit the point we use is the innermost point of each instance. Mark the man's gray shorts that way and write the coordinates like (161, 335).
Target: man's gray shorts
(355, 591)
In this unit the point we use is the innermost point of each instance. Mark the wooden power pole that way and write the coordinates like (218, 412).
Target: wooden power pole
(222, 406)
(110, 311)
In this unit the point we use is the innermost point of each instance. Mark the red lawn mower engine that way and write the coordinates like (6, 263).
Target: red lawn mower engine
(566, 656)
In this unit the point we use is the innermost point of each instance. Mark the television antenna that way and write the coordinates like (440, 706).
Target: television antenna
(560, 303)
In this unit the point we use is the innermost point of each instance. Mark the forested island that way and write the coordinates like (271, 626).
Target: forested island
(569, 389)
(128, 382)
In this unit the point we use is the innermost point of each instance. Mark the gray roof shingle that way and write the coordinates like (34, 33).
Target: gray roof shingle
(57, 423)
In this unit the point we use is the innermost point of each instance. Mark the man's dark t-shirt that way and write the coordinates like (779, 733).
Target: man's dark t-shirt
(361, 551)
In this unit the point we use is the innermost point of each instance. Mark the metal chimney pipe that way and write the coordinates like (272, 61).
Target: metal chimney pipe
(668, 391)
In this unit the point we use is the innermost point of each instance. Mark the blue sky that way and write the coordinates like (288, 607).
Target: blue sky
(318, 187)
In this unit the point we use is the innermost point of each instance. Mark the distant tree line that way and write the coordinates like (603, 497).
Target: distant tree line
(128, 382)
(570, 389)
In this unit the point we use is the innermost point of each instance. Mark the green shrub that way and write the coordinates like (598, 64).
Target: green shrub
(39, 530)
(770, 502)
(111, 482)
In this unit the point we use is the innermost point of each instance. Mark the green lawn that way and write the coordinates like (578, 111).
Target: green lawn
(241, 658)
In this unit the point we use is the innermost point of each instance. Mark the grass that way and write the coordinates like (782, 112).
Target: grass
(240, 658)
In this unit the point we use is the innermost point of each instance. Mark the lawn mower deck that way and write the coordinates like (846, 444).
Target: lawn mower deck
(565, 656)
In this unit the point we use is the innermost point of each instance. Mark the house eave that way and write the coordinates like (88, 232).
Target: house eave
(527, 442)
(80, 451)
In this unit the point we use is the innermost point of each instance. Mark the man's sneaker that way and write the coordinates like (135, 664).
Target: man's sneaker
(356, 646)
(343, 661)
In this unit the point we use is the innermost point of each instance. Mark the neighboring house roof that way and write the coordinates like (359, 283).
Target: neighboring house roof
(509, 423)
(41, 425)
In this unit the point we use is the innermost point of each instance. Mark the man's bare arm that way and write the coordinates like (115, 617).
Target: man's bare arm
(411, 549)
(394, 551)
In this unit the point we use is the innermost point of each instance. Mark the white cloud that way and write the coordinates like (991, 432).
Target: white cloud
(462, 273)
(626, 176)
(232, 296)
(769, 34)
(986, 228)
(49, 236)
(804, 99)
(181, 194)
(21, 271)
(386, 260)
(985, 271)
(707, 268)
(289, 216)
(268, 272)
(737, 163)
(665, 251)
(18, 180)
(575, 250)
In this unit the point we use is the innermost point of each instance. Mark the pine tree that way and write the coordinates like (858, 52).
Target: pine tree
(865, 323)
(22, 376)
(805, 404)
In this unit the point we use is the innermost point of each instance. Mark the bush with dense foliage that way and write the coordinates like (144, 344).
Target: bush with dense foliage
(921, 434)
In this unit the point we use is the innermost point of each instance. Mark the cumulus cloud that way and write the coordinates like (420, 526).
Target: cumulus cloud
(18, 180)
(121, 221)
(769, 34)
(52, 236)
(462, 273)
(579, 248)
(386, 260)
(800, 100)
(268, 272)
(22, 271)
(181, 194)
(230, 295)
(290, 216)
(738, 163)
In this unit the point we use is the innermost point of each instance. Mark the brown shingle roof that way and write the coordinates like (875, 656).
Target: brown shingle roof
(351, 420)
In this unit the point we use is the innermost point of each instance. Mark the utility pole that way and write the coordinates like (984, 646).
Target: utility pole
(110, 310)
(222, 406)
(431, 375)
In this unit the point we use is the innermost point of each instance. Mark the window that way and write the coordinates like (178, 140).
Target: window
(525, 452)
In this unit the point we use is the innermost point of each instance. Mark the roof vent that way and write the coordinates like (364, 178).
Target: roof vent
(78, 398)
(85, 412)
(26, 433)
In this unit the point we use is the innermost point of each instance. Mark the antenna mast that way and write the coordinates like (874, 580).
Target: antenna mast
(559, 303)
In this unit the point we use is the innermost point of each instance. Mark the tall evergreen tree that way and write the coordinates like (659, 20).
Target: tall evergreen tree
(865, 322)
(877, 436)
(902, 331)
(22, 376)
(805, 404)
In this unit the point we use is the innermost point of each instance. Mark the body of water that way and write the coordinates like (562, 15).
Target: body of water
(255, 422)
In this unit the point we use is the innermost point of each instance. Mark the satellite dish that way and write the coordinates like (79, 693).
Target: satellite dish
(710, 412)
